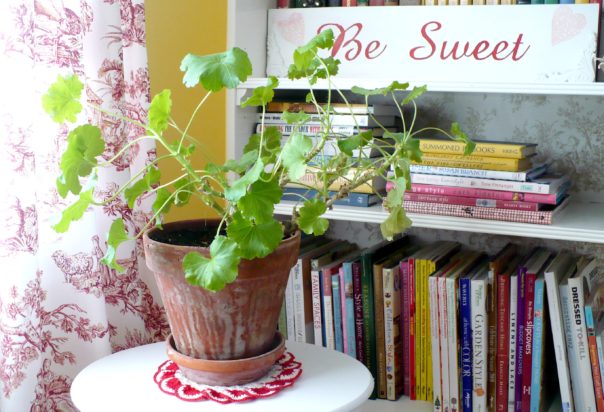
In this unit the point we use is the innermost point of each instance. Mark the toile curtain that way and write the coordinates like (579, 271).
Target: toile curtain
(60, 308)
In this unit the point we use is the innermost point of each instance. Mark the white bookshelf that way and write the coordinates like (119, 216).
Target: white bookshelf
(583, 221)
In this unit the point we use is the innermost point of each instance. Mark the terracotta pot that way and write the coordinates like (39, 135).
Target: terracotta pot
(237, 322)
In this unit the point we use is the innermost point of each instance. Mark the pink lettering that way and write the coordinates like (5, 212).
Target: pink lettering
(347, 41)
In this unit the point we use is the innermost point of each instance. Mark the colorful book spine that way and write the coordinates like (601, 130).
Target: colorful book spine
(315, 284)
(444, 342)
(283, 4)
(466, 344)
(492, 149)
(334, 3)
(527, 355)
(435, 342)
(470, 201)
(559, 339)
(378, 301)
(600, 346)
(392, 335)
(349, 3)
(376, 2)
(476, 162)
(453, 341)
(297, 194)
(404, 272)
(593, 357)
(327, 310)
(538, 342)
(519, 216)
(576, 301)
(540, 186)
(298, 306)
(486, 194)
(357, 291)
(369, 318)
(512, 347)
(337, 311)
(573, 362)
(347, 297)
(479, 344)
(289, 305)
(412, 329)
(503, 339)
(520, 323)
(307, 129)
(335, 119)
(480, 174)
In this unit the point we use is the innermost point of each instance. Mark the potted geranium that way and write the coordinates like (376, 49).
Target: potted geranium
(222, 281)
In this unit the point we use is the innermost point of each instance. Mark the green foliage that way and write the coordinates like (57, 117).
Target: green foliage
(255, 239)
(310, 220)
(244, 191)
(117, 235)
(159, 111)
(215, 272)
(62, 101)
(84, 144)
(216, 71)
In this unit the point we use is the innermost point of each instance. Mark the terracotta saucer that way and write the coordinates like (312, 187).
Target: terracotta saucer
(226, 372)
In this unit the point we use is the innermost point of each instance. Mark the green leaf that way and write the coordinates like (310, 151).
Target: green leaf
(305, 57)
(397, 137)
(84, 144)
(240, 165)
(310, 220)
(262, 94)
(460, 136)
(271, 144)
(74, 212)
(295, 117)
(332, 68)
(162, 204)
(142, 185)
(62, 100)
(214, 273)
(182, 149)
(216, 71)
(347, 145)
(184, 187)
(396, 222)
(255, 240)
(239, 186)
(395, 195)
(381, 90)
(414, 94)
(412, 147)
(117, 235)
(259, 202)
(294, 155)
(159, 111)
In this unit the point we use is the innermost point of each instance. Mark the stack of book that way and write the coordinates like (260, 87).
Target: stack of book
(498, 181)
(345, 120)
(455, 327)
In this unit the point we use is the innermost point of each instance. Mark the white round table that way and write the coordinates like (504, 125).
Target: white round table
(330, 381)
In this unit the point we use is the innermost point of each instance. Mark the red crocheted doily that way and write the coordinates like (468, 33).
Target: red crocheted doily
(283, 375)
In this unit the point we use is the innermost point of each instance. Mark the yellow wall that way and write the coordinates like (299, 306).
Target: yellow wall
(175, 28)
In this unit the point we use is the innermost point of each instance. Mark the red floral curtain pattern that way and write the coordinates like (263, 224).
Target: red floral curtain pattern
(60, 308)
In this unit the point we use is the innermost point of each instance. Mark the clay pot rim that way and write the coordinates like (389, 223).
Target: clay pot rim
(192, 222)
(227, 365)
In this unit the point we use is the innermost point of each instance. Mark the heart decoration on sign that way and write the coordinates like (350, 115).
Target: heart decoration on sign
(292, 29)
(566, 24)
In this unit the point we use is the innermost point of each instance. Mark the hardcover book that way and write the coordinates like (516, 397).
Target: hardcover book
(471, 201)
(509, 150)
(525, 176)
(336, 108)
(478, 291)
(299, 194)
(364, 120)
(476, 162)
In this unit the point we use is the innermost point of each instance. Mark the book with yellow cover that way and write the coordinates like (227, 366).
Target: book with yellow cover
(476, 162)
(311, 179)
(509, 150)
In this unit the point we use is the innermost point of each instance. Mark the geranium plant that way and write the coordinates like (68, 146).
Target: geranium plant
(244, 191)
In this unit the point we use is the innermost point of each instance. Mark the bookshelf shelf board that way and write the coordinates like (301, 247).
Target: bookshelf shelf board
(577, 89)
(581, 222)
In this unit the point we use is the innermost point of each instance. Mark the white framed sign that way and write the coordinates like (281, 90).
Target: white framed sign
(519, 44)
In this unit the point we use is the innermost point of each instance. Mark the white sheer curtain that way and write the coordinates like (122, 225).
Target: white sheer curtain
(60, 309)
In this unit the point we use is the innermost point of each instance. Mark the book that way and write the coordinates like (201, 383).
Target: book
(349, 3)
(311, 129)
(368, 257)
(336, 108)
(334, 3)
(359, 120)
(289, 305)
(376, 2)
(599, 332)
(543, 217)
(543, 185)
(465, 318)
(298, 194)
(348, 311)
(552, 199)
(509, 150)
(559, 268)
(311, 179)
(478, 291)
(512, 358)
(337, 310)
(476, 162)
(283, 4)
(578, 286)
(541, 384)
(534, 269)
(358, 311)
(471, 201)
(524, 176)
(594, 306)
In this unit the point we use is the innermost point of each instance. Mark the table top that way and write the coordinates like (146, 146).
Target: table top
(330, 381)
